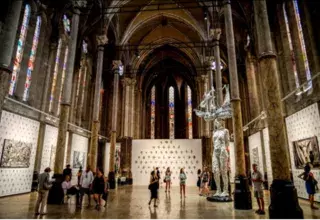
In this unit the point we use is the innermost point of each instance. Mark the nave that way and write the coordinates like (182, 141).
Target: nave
(128, 202)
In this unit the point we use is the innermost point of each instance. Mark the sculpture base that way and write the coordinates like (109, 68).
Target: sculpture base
(56, 193)
(284, 201)
(219, 198)
(242, 194)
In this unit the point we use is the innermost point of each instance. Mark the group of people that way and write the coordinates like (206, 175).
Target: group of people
(88, 183)
(155, 183)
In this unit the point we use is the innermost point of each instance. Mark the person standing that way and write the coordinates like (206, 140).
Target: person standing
(199, 180)
(44, 186)
(106, 191)
(153, 187)
(182, 178)
(85, 184)
(79, 175)
(98, 187)
(205, 178)
(167, 179)
(257, 180)
(67, 172)
(311, 184)
(158, 174)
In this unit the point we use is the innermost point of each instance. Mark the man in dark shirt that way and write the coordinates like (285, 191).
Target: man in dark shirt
(67, 172)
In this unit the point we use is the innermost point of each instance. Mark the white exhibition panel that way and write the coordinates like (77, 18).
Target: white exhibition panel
(107, 156)
(17, 128)
(303, 124)
(176, 154)
(256, 153)
(79, 144)
(265, 133)
(232, 162)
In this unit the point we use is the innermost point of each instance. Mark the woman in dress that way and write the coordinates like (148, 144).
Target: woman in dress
(205, 178)
(311, 184)
(199, 180)
(183, 179)
(153, 187)
(167, 179)
(98, 187)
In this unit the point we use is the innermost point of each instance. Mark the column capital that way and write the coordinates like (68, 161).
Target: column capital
(215, 34)
(117, 67)
(79, 3)
(208, 62)
(101, 40)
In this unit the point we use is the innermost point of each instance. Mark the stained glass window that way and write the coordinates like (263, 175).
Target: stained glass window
(32, 57)
(63, 77)
(20, 47)
(171, 113)
(55, 73)
(66, 24)
(189, 113)
(302, 42)
(153, 111)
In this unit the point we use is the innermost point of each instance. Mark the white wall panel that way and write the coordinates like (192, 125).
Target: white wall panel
(18, 128)
(107, 156)
(256, 153)
(265, 133)
(175, 154)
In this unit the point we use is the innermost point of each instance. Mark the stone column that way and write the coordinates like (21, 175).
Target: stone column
(7, 39)
(133, 120)
(138, 113)
(117, 65)
(66, 95)
(242, 195)
(126, 82)
(93, 150)
(83, 93)
(296, 42)
(284, 201)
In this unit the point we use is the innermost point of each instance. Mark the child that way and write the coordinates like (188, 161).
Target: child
(106, 191)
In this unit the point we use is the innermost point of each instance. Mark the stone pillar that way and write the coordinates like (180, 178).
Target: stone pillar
(66, 95)
(117, 65)
(296, 42)
(83, 93)
(126, 82)
(242, 195)
(7, 39)
(133, 119)
(284, 201)
(93, 149)
(138, 113)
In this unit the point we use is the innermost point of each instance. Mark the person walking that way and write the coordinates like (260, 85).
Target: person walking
(43, 191)
(85, 185)
(205, 179)
(182, 178)
(311, 184)
(199, 181)
(153, 187)
(257, 181)
(67, 172)
(106, 191)
(167, 179)
(98, 187)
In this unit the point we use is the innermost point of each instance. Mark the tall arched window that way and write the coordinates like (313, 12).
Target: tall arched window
(302, 42)
(20, 47)
(32, 57)
(55, 73)
(171, 113)
(153, 112)
(189, 115)
(63, 77)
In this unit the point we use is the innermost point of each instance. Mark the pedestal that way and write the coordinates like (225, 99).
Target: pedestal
(56, 193)
(242, 194)
(284, 201)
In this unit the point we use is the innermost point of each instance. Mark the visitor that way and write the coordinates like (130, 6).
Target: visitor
(311, 157)
(43, 190)
(158, 174)
(311, 184)
(106, 191)
(69, 189)
(98, 187)
(153, 187)
(167, 179)
(182, 178)
(79, 175)
(67, 172)
(199, 180)
(85, 183)
(257, 181)
(205, 178)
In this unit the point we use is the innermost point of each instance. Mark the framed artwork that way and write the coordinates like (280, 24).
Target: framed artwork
(306, 151)
(15, 154)
(78, 159)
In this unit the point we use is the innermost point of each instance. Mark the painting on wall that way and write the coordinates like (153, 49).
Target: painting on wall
(78, 159)
(15, 154)
(255, 156)
(306, 151)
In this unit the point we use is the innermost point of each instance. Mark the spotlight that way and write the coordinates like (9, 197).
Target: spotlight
(205, 13)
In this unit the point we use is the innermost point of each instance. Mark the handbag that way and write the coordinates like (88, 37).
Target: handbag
(164, 180)
(149, 187)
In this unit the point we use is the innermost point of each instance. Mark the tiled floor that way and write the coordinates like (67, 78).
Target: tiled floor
(131, 202)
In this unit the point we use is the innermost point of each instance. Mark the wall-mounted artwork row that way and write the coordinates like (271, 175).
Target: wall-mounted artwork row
(15, 154)
(306, 151)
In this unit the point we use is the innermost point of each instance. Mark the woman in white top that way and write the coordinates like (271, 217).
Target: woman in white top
(183, 179)
(167, 179)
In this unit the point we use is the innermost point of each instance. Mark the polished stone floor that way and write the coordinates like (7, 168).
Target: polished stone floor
(131, 202)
